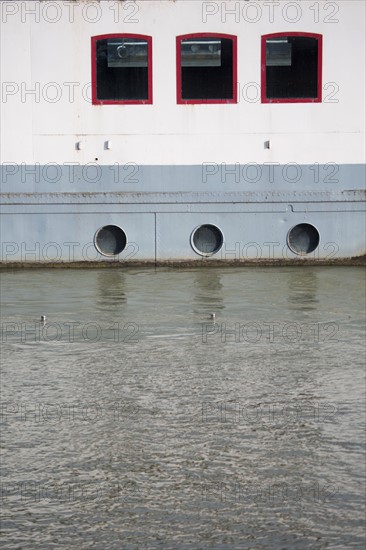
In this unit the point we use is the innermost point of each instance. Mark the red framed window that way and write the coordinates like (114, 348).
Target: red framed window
(292, 67)
(121, 69)
(206, 68)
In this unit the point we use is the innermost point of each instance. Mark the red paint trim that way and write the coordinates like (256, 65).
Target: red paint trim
(95, 100)
(317, 99)
(231, 37)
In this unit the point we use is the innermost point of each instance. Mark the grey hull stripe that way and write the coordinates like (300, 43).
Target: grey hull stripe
(207, 178)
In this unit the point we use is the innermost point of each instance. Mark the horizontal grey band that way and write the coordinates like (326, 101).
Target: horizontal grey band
(168, 198)
(209, 177)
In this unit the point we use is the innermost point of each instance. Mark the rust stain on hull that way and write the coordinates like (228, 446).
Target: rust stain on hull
(356, 261)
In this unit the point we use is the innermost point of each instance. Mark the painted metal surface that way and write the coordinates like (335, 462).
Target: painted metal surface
(158, 171)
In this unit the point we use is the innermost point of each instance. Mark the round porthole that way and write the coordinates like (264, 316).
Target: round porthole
(303, 238)
(110, 240)
(206, 240)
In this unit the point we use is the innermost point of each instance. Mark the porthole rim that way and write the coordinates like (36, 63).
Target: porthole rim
(288, 239)
(206, 254)
(104, 253)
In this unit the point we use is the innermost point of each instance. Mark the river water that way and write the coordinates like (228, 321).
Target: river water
(132, 419)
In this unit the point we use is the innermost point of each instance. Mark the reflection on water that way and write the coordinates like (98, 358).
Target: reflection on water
(207, 291)
(131, 420)
(302, 288)
(111, 289)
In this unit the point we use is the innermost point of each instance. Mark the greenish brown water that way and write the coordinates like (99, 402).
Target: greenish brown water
(131, 419)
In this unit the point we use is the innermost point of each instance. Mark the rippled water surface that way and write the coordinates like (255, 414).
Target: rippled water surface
(131, 419)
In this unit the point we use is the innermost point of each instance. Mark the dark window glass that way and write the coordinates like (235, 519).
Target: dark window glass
(206, 68)
(303, 238)
(291, 67)
(122, 69)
